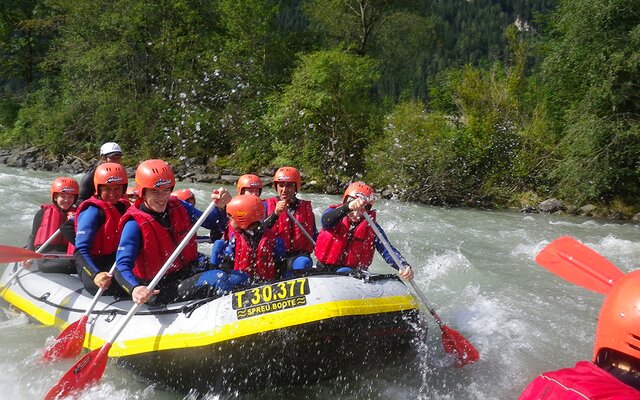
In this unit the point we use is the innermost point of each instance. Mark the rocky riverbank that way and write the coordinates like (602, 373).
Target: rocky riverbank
(189, 171)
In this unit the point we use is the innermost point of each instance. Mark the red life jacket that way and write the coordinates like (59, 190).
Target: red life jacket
(344, 246)
(158, 242)
(257, 263)
(585, 381)
(106, 240)
(52, 220)
(294, 240)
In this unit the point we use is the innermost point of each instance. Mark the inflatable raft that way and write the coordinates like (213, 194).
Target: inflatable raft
(293, 331)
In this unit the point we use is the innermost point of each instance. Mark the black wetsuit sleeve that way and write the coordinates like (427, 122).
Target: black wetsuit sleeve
(331, 217)
(86, 186)
(68, 231)
(37, 221)
(271, 220)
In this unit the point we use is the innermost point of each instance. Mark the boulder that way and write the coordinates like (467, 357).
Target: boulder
(587, 210)
(550, 206)
(204, 178)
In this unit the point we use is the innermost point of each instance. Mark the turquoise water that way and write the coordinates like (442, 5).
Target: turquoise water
(476, 268)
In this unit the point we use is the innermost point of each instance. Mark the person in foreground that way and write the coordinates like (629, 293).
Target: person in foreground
(110, 152)
(152, 230)
(253, 253)
(614, 372)
(64, 192)
(287, 182)
(96, 228)
(346, 241)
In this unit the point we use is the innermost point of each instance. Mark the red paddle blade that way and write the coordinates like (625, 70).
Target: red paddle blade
(13, 254)
(69, 342)
(454, 343)
(86, 372)
(578, 264)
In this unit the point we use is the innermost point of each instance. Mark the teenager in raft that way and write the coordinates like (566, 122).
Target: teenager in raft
(247, 184)
(614, 372)
(346, 241)
(253, 253)
(185, 195)
(287, 182)
(152, 230)
(132, 194)
(110, 152)
(64, 193)
(97, 231)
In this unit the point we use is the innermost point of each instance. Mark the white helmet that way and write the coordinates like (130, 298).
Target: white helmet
(110, 148)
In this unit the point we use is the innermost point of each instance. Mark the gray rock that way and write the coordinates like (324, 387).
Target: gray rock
(205, 178)
(587, 210)
(550, 205)
(229, 179)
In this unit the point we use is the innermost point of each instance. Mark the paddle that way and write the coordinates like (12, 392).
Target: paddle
(304, 231)
(10, 254)
(452, 341)
(90, 368)
(578, 264)
(69, 342)
(14, 254)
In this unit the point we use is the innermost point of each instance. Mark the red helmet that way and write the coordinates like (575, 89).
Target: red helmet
(245, 209)
(154, 174)
(619, 321)
(358, 189)
(249, 181)
(65, 184)
(110, 174)
(184, 194)
(288, 174)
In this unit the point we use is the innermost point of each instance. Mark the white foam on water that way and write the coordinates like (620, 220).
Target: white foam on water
(528, 250)
(587, 223)
(440, 265)
(19, 320)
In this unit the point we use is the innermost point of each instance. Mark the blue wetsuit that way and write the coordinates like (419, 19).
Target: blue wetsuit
(131, 240)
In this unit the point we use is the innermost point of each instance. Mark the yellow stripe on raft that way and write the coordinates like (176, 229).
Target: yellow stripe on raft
(258, 324)
(244, 327)
(33, 310)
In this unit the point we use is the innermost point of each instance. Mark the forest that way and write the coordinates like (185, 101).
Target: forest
(458, 103)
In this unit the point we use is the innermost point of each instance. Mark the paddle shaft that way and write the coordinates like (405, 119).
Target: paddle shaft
(96, 297)
(395, 257)
(162, 271)
(452, 341)
(48, 241)
(384, 240)
(299, 225)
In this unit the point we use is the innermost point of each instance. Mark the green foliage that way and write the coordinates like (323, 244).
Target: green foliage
(326, 117)
(592, 71)
(472, 113)
(472, 147)
(353, 23)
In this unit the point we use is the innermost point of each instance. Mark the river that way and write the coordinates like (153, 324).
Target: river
(476, 268)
